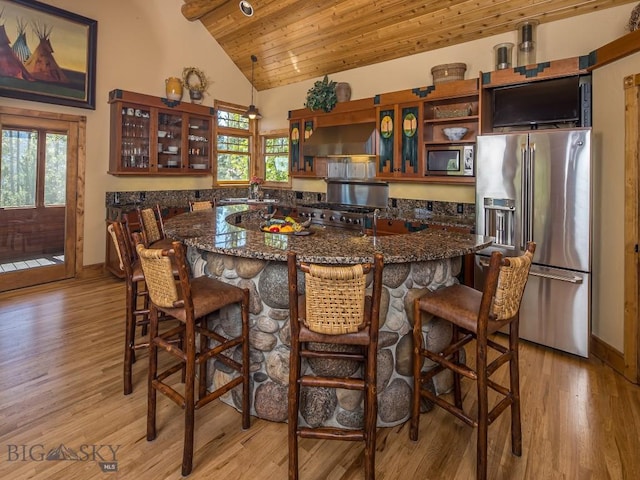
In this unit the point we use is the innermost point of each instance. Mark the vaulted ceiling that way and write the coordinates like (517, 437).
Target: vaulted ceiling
(295, 40)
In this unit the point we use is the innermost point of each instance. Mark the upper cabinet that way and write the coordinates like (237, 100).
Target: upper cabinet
(400, 140)
(300, 130)
(304, 122)
(155, 136)
(417, 128)
(535, 94)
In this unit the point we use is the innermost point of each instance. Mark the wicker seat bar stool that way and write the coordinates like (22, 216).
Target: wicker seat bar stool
(152, 227)
(475, 316)
(201, 205)
(191, 300)
(335, 311)
(136, 298)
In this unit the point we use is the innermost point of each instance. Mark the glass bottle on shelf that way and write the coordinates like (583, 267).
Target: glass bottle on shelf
(169, 140)
(135, 138)
(198, 143)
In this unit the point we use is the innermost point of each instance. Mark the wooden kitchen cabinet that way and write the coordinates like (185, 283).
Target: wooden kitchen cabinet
(519, 75)
(400, 141)
(300, 130)
(303, 122)
(155, 136)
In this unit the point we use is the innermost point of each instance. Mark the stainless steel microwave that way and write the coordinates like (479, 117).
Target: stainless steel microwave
(450, 160)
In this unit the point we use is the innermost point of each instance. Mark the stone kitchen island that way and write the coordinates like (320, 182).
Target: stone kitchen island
(226, 243)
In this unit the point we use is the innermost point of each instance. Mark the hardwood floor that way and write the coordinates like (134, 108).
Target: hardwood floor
(61, 385)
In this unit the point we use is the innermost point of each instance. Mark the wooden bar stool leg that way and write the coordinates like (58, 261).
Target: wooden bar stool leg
(129, 336)
(514, 376)
(246, 363)
(417, 366)
(189, 398)
(371, 417)
(153, 374)
(483, 408)
(294, 396)
(202, 366)
(457, 390)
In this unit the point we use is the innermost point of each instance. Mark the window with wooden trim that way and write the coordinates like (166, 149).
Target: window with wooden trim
(32, 168)
(234, 144)
(275, 158)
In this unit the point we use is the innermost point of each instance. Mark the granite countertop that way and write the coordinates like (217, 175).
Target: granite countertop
(234, 230)
(429, 219)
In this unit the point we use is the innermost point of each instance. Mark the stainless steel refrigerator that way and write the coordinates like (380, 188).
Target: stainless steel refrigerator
(537, 186)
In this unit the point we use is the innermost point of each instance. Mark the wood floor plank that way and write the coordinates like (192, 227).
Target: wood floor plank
(61, 384)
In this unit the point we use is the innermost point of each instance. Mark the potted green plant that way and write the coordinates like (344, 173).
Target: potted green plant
(322, 96)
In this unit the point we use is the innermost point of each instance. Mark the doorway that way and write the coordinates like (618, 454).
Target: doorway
(41, 162)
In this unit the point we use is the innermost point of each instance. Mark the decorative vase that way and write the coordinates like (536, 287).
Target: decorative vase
(254, 191)
(196, 96)
(174, 88)
(343, 91)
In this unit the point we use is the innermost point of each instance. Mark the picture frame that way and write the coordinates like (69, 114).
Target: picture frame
(47, 54)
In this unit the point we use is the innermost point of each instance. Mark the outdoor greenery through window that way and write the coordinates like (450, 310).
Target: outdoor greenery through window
(233, 146)
(276, 158)
(32, 168)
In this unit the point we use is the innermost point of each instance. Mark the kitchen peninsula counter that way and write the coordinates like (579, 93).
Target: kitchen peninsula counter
(235, 230)
(226, 243)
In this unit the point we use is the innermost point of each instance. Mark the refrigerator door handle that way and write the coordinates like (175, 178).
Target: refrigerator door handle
(530, 190)
(524, 152)
(563, 277)
(551, 274)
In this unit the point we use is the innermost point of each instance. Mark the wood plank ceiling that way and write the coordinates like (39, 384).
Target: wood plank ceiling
(295, 40)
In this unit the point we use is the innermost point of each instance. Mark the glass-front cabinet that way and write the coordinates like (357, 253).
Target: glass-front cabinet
(156, 136)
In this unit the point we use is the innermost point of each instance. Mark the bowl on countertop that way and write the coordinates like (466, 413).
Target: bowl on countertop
(455, 133)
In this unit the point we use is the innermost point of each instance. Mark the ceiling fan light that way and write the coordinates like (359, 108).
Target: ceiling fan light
(246, 8)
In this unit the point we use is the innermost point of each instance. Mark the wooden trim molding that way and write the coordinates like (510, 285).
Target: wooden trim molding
(631, 227)
(615, 50)
(608, 354)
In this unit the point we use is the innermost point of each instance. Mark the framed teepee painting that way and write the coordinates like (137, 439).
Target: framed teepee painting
(47, 54)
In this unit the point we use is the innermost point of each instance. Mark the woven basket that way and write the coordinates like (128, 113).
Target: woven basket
(448, 72)
(452, 112)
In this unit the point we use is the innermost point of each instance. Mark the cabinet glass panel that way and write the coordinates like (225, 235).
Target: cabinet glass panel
(198, 143)
(169, 140)
(135, 138)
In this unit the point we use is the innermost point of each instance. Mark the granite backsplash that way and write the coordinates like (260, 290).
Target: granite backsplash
(397, 207)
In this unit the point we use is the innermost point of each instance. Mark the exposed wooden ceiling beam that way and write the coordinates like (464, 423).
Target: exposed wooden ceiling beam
(196, 9)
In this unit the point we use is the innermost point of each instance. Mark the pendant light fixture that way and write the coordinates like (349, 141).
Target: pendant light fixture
(252, 112)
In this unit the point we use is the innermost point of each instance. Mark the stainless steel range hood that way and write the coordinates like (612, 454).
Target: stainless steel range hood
(342, 141)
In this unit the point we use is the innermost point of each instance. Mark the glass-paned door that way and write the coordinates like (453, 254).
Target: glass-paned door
(37, 185)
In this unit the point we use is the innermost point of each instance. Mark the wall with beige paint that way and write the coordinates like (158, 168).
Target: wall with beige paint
(608, 129)
(141, 42)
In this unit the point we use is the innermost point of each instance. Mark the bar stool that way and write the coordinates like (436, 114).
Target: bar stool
(136, 299)
(476, 315)
(201, 205)
(190, 301)
(152, 227)
(334, 310)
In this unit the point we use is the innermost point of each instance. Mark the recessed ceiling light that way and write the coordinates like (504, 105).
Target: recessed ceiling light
(246, 8)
